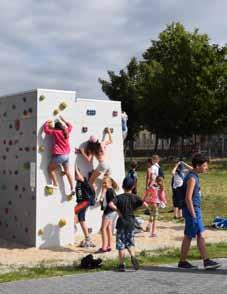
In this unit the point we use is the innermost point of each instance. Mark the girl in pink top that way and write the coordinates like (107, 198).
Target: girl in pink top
(60, 150)
(154, 197)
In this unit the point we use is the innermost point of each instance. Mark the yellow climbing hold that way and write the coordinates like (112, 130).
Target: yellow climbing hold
(40, 232)
(62, 105)
(41, 148)
(42, 97)
(56, 112)
(62, 222)
(49, 190)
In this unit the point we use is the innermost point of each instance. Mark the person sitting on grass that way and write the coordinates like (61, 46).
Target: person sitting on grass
(59, 131)
(193, 215)
(126, 203)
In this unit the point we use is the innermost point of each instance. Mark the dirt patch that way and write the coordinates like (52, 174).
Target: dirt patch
(13, 255)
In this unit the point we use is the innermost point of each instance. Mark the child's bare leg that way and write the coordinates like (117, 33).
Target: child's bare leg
(153, 229)
(121, 256)
(93, 178)
(69, 176)
(185, 246)
(84, 228)
(51, 171)
(202, 246)
(110, 234)
(131, 251)
(105, 223)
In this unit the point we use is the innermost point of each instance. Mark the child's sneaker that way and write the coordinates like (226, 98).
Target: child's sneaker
(121, 267)
(186, 265)
(135, 263)
(211, 264)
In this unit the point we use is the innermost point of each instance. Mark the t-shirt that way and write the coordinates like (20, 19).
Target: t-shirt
(110, 196)
(60, 143)
(126, 204)
(154, 170)
(83, 191)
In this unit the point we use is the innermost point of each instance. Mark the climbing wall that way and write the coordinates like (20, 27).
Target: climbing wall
(29, 213)
(17, 154)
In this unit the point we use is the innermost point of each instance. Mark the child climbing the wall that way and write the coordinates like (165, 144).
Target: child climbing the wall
(108, 195)
(85, 196)
(154, 196)
(97, 149)
(59, 130)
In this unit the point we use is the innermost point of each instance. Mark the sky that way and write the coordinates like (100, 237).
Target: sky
(69, 44)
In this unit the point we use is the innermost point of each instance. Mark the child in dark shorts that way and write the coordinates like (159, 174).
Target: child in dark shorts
(193, 215)
(83, 192)
(126, 203)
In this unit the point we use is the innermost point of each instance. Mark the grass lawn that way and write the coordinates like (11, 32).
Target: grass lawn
(213, 188)
(146, 258)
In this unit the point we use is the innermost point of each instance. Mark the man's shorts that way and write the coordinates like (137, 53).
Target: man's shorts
(81, 215)
(195, 226)
(60, 159)
(177, 198)
(124, 239)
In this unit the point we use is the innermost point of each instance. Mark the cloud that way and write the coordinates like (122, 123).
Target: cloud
(70, 44)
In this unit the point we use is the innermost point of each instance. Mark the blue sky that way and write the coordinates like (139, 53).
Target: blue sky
(69, 44)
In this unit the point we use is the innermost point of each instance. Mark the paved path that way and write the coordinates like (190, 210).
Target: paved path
(165, 279)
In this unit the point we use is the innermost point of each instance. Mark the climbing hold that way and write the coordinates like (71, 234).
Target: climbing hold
(62, 223)
(41, 148)
(69, 197)
(40, 232)
(84, 129)
(49, 190)
(42, 97)
(62, 105)
(27, 165)
(115, 113)
(56, 112)
(24, 99)
(17, 124)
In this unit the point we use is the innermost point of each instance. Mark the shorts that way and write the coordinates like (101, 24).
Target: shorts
(124, 239)
(60, 159)
(153, 209)
(81, 215)
(195, 226)
(177, 198)
(102, 167)
(110, 216)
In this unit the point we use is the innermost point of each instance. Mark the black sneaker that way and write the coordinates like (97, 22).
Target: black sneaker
(186, 265)
(135, 263)
(121, 267)
(211, 264)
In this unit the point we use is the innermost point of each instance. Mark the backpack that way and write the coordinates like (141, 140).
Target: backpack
(220, 222)
(88, 262)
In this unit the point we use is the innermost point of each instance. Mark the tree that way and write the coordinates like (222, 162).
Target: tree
(184, 96)
(123, 87)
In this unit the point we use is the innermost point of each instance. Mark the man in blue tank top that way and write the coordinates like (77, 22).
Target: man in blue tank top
(193, 217)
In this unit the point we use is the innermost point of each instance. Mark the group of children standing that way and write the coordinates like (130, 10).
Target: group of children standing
(124, 204)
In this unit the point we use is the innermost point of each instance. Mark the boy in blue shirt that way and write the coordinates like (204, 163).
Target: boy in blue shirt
(193, 217)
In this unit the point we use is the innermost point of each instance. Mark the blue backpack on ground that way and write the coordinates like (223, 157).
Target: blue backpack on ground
(220, 222)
